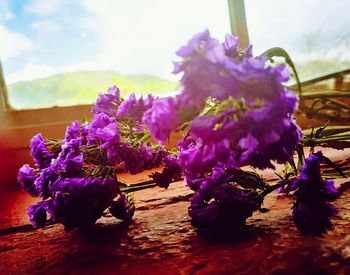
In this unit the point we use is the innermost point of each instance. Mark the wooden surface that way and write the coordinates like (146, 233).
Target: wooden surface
(161, 240)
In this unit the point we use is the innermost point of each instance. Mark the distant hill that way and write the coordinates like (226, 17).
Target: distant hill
(82, 88)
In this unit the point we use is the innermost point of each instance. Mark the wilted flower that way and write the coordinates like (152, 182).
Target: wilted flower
(123, 207)
(172, 172)
(37, 214)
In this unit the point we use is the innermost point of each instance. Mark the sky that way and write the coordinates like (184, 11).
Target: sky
(307, 29)
(39, 38)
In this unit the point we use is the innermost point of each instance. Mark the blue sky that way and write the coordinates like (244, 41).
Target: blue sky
(39, 38)
(44, 37)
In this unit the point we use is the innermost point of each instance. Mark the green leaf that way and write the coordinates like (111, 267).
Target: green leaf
(277, 51)
(330, 163)
(329, 131)
(320, 130)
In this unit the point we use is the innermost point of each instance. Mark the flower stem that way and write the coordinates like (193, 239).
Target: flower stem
(138, 186)
(271, 188)
(145, 137)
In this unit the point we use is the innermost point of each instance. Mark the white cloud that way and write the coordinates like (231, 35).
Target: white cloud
(83, 35)
(141, 37)
(44, 27)
(44, 7)
(31, 71)
(13, 43)
(289, 24)
(5, 13)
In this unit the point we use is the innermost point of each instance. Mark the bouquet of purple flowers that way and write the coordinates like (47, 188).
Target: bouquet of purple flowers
(233, 110)
(76, 177)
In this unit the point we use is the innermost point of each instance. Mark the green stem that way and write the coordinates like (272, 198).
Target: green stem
(316, 141)
(145, 137)
(274, 187)
(329, 131)
(137, 187)
(332, 94)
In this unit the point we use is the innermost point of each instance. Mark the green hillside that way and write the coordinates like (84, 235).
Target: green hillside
(82, 88)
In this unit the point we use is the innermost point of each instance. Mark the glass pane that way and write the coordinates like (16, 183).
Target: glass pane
(315, 33)
(63, 52)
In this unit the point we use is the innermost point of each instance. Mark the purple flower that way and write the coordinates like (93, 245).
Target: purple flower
(131, 157)
(107, 103)
(122, 208)
(193, 44)
(219, 206)
(128, 106)
(26, 178)
(72, 131)
(231, 45)
(250, 120)
(198, 158)
(37, 214)
(172, 172)
(202, 129)
(227, 212)
(45, 181)
(137, 158)
(75, 202)
(70, 159)
(39, 152)
(151, 158)
(312, 210)
(146, 153)
(81, 201)
(162, 118)
(134, 109)
(104, 130)
(75, 130)
(204, 65)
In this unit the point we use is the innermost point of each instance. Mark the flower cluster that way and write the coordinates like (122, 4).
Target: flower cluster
(234, 111)
(312, 208)
(249, 116)
(238, 112)
(67, 195)
(221, 204)
(76, 177)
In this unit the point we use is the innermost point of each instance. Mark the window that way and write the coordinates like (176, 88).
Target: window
(314, 32)
(61, 52)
